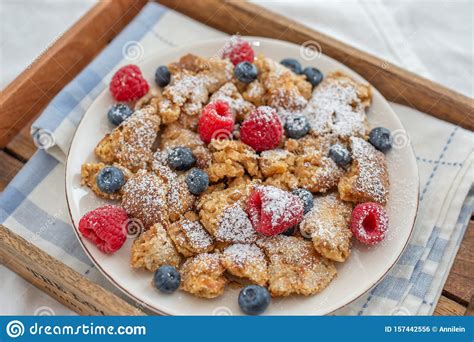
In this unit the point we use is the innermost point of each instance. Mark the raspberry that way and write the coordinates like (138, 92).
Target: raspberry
(262, 130)
(238, 50)
(216, 122)
(128, 84)
(105, 227)
(369, 223)
(272, 210)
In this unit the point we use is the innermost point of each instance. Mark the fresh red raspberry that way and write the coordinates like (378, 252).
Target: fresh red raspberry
(369, 223)
(262, 130)
(216, 122)
(106, 227)
(128, 84)
(238, 50)
(272, 210)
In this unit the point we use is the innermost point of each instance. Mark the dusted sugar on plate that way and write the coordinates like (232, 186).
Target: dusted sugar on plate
(239, 171)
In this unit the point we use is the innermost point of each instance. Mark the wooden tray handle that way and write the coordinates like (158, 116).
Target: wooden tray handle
(396, 84)
(58, 280)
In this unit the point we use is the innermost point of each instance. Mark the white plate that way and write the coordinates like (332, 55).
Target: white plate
(364, 268)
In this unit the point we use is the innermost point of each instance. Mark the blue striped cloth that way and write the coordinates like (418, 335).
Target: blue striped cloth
(33, 205)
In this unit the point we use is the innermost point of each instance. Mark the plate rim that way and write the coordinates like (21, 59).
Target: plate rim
(207, 41)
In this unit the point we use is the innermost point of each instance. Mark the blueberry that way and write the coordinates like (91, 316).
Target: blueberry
(296, 126)
(245, 72)
(290, 231)
(118, 113)
(162, 76)
(181, 158)
(340, 155)
(307, 198)
(313, 75)
(110, 179)
(380, 138)
(254, 299)
(167, 279)
(197, 181)
(292, 64)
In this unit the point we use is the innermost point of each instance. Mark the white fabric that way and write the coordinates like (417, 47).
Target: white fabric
(28, 27)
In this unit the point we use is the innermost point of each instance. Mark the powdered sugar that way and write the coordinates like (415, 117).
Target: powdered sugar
(288, 249)
(278, 72)
(136, 138)
(186, 86)
(144, 198)
(289, 98)
(280, 205)
(318, 172)
(336, 107)
(369, 235)
(255, 89)
(177, 187)
(328, 222)
(242, 254)
(190, 91)
(235, 226)
(229, 93)
(372, 178)
(276, 154)
(198, 237)
(265, 114)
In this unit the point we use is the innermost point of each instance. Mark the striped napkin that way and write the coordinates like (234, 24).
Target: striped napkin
(34, 203)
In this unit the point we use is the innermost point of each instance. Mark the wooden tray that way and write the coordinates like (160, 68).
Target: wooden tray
(23, 100)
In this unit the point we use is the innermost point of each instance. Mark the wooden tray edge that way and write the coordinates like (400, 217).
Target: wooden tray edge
(58, 280)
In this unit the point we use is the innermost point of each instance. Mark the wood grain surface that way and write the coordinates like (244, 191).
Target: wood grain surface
(470, 308)
(460, 282)
(9, 166)
(33, 89)
(448, 307)
(396, 84)
(58, 280)
(22, 146)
